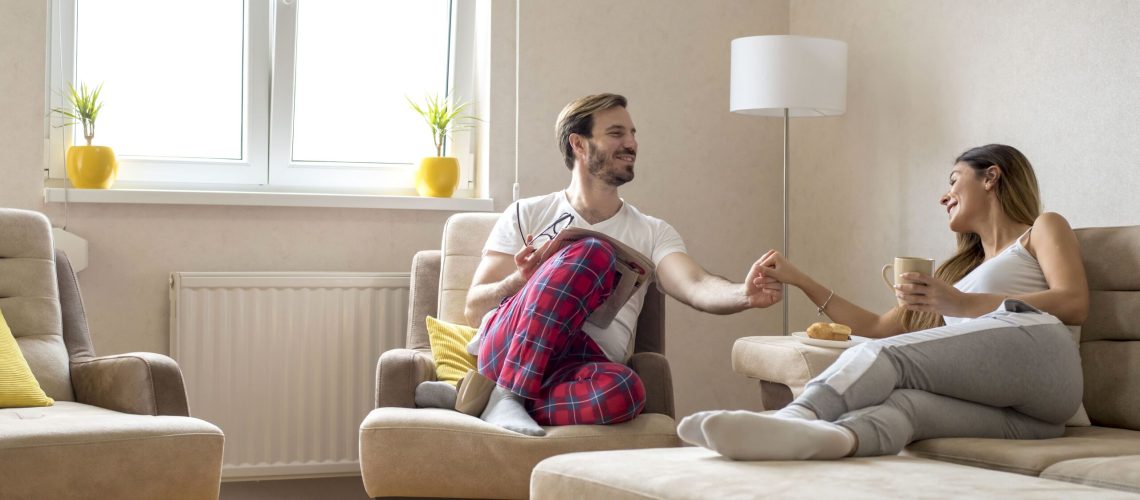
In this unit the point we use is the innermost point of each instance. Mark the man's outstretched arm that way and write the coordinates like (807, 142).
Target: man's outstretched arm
(685, 280)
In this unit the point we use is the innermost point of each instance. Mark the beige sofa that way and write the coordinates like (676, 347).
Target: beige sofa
(1102, 460)
(425, 452)
(119, 427)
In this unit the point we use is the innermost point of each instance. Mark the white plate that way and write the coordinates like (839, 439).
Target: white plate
(838, 344)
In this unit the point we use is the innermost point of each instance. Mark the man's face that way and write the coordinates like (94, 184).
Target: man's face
(611, 151)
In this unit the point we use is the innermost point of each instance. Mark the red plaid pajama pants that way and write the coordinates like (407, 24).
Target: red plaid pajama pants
(534, 345)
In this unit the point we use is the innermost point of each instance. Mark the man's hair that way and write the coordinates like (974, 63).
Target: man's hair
(578, 118)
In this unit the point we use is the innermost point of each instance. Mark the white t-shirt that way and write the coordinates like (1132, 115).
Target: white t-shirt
(651, 236)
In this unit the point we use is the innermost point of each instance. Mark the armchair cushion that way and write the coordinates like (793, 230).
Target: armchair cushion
(398, 372)
(18, 387)
(449, 349)
(408, 451)
(73, 450)
(141, 383)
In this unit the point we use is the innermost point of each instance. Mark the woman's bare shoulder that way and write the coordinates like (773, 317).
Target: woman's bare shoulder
(1052, 224)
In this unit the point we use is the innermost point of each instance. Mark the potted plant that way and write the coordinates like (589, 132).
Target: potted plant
(87, 166)
(439, 175)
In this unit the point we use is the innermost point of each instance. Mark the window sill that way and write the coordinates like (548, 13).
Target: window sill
(56, 191)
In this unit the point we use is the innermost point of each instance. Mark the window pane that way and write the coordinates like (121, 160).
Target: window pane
(172, 71)
(356, 62)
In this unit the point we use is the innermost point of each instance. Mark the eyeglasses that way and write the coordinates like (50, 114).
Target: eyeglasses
(562, 222)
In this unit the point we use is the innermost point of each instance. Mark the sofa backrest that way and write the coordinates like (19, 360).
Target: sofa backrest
(1110, 337)
(29, 298)
(465, 234)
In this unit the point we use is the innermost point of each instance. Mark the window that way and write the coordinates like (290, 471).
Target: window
(308, 94)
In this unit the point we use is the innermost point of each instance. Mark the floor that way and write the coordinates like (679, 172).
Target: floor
(333, 488)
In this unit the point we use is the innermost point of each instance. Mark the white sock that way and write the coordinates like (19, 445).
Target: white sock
(744, 435)
(796, 411)
(689, 430)
(436, 394)
(506, 410)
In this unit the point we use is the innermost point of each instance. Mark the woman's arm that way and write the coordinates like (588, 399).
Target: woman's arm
(862, 322)
(1055, 246)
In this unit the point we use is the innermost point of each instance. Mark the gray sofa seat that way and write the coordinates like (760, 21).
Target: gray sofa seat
(1030, 456)
(1118, 473)
(61, 450)
(697, 473)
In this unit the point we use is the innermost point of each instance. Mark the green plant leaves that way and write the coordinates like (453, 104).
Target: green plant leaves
(442, 117)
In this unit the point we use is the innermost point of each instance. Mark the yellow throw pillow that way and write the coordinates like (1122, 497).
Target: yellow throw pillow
(449, 348)
(18, 387)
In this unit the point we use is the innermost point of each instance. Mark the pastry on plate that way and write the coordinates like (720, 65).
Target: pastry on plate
(829, 331)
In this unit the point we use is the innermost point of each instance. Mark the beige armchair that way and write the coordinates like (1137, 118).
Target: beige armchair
(423, 452)
(120, 426)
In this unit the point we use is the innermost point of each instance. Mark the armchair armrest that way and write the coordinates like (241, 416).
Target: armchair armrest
(398, 372)
(142, 383)
(653, 368)
(783, 365)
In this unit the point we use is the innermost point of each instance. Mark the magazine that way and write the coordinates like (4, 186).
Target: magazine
(634, 270)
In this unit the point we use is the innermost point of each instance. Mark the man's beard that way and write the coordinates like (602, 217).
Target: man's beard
(596, 165)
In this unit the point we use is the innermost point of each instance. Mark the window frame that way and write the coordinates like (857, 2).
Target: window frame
(268, 52)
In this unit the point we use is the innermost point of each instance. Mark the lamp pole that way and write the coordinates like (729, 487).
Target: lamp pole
(786, 154)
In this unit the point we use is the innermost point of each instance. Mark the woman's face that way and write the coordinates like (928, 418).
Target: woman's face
(966, 200)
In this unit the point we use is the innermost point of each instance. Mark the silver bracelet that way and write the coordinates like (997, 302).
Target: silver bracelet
(819, 310)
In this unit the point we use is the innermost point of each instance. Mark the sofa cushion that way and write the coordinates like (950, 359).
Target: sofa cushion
(1030, 456)
(1119, 473)
(29, 296)
(443, 453)
(463, 239)
(699, 473)
(449, 349)
(55, 451)
(1112, 390)
(18, 387)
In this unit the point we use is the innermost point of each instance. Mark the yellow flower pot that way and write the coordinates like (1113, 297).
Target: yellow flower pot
(437, 176)
(91, 167)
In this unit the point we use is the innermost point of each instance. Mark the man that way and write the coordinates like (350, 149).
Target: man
(550, 366)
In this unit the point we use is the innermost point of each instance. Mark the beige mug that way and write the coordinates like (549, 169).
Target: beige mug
(907, 265)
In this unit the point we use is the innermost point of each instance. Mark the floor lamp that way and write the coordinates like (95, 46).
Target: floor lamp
(785, 75)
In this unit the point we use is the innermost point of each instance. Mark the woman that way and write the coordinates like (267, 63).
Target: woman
(987, 357)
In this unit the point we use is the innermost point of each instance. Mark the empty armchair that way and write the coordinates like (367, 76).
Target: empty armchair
(120, 426)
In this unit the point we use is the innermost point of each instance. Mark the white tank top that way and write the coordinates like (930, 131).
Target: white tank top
(1013, 271)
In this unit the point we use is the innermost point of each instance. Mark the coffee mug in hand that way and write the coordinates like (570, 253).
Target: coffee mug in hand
(906, 265)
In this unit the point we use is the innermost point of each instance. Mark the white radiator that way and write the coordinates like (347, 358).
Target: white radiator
(284, 363)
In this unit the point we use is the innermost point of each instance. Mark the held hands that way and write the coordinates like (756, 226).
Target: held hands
(761, 289)
(774, 265)
(925, 293)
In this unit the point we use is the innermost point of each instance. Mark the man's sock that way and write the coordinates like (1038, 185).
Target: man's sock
(689, 430)
(435, 394)
(744, 435)
(506, 410)
(796, 411)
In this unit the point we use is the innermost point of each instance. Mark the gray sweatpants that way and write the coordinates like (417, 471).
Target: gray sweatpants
(1014, 373)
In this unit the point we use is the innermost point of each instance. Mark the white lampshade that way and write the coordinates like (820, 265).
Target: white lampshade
(806, 75)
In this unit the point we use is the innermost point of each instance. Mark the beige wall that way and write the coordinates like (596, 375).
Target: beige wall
(701, 168)
(1060, 80)
(705, 170)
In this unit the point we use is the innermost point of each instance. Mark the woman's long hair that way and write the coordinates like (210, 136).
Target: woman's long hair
(1020, 200)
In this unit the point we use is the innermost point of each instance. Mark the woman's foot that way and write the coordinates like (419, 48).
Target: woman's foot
(745, 435)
